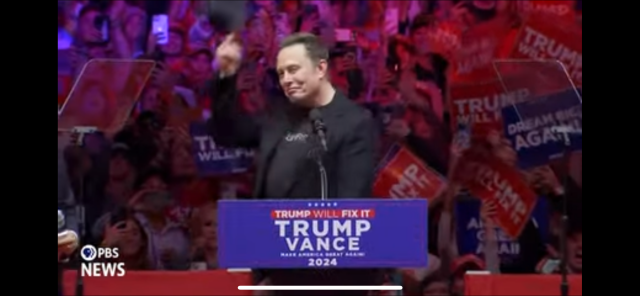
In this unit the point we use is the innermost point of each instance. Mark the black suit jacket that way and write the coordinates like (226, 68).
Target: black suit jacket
(351, 141)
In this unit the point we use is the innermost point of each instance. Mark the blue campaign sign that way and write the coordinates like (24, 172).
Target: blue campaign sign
(358, 233)
(214, 160)
(470, 231)
(528, 126)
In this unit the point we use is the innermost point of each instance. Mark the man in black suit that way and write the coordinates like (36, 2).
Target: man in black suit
(284, 135)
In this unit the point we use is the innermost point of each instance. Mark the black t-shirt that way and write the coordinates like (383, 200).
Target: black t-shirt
(291, 151)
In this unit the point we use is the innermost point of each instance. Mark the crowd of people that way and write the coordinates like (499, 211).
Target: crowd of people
(148, 190)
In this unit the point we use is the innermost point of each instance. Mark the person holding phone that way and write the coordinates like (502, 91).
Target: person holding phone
(125, 233)
(198, 66)
(169, 246)
(166, 43)
(90, 23)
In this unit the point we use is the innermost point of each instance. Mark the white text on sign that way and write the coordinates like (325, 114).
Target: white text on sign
(104, 267)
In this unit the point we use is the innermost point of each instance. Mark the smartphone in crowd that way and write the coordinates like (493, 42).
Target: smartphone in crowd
(101, 22)
(160, 27)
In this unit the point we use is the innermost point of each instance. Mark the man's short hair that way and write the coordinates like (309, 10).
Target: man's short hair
(314, 46)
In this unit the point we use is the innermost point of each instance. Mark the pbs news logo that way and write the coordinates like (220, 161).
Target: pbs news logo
(90, 253)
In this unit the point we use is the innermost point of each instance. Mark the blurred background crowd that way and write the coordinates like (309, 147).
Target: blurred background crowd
(150, 184)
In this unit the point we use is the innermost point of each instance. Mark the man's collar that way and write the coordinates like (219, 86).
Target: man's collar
(336, 106)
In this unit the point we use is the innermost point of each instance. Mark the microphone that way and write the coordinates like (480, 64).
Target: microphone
(318, 127)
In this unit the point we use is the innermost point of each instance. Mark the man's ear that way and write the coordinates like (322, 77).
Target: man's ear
(323, 68)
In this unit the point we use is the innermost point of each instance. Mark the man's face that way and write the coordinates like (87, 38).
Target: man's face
(575, 252)
(299, 76)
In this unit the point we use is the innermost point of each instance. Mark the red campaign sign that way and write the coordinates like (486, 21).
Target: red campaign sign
(480, 105)
(492, 180)
(544, 36)
(403, 175)
(478, 47)
(444, 38)
(561, 8)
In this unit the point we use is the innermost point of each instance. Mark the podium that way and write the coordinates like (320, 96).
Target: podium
(323, 234)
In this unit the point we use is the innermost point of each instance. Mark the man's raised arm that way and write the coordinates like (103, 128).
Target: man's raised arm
(230, 125)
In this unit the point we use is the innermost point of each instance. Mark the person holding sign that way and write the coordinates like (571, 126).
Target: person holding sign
(290, 141)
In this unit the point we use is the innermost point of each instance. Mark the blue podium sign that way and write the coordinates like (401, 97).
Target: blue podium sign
(357, 233)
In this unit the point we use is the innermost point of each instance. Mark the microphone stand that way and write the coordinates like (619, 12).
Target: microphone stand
(82, 132)
(318, 152)
(324, 184)
(564, 220)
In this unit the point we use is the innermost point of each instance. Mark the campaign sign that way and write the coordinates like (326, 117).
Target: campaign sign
(403, 175)
(340, 233)
(492, 180)
(471, 231)
(528, 126)
(213, 160)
